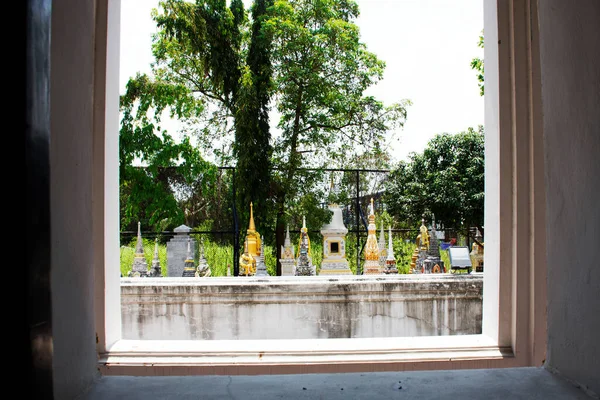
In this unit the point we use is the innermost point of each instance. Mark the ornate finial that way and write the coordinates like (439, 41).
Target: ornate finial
(372, 213)
(390, 255)
(139, 245)
(251, 227)
(304, 229)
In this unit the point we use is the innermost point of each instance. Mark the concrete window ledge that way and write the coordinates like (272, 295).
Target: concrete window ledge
(489, 384)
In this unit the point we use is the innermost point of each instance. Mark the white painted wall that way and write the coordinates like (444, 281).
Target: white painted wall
(72, 278)
(570, 67)
(317, 307)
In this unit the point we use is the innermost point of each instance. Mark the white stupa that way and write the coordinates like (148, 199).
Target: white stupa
(334, 245)
(287, 260)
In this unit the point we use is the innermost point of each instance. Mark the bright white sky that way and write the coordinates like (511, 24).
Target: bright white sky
(427, 45)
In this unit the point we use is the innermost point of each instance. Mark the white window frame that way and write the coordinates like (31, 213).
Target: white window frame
(514, 301)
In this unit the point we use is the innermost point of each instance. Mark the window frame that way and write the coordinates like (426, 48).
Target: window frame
(514, 301)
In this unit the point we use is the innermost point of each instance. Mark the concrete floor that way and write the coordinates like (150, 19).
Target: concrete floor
(487, 384)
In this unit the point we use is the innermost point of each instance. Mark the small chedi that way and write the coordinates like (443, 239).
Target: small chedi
(261, 267)
(202, 270)
(371, 265)
(382, 248)
(334, 245)
(287, 260)
(304, 265)
(390, 260)
(252, 246)
(433, 262)
(139, 268)
(155, 269)
(426, 257)
(189, 269)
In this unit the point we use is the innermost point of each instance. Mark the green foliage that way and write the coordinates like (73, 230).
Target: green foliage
(217, 70)
(127, 255)
(150, 195)
(446, 180)
(252, 145)
(403, 251)
(477, 65)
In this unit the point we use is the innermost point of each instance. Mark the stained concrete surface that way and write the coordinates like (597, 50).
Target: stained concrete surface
(488, 384)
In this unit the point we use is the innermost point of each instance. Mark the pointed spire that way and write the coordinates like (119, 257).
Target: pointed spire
(139, 246)
(381, 235)
(286, 241)
(251, 227)
(155, 270)
(390, 255)
(372, 213)
(304, 224)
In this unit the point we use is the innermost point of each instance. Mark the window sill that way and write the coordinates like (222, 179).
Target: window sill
(232, 357)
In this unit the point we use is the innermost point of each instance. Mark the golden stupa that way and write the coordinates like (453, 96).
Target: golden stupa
(372, 247)
(251, 249)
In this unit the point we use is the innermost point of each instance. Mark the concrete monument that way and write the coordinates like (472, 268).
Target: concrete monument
(304, 265)
(177, 250)
(287, 259)
(371, 265)
(139, 269)
(334, 245)
(261, 267)
(155, 269)
(189, 269)
(390, 260)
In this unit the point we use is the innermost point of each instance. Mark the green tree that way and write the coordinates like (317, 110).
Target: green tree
(202, 77)
(445, 181)
(153, 194)
(252, 148)
(321, 72)
(218, 73)
(477, 65)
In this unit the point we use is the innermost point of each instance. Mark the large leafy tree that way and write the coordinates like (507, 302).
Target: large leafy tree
(213, 81)
(445, 181)
(321, 73)
(155, 169)
(218, 73)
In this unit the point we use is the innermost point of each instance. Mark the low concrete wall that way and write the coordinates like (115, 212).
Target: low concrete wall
(301, 307)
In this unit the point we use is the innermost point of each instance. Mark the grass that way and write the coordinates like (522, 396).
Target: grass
(219, 255)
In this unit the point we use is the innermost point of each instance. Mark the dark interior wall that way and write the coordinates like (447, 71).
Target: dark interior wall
(72, 279)
(570, 68)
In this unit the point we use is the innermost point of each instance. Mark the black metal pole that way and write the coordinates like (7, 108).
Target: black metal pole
(236, 232)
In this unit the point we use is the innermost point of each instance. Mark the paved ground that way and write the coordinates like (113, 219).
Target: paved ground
(488, 384)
